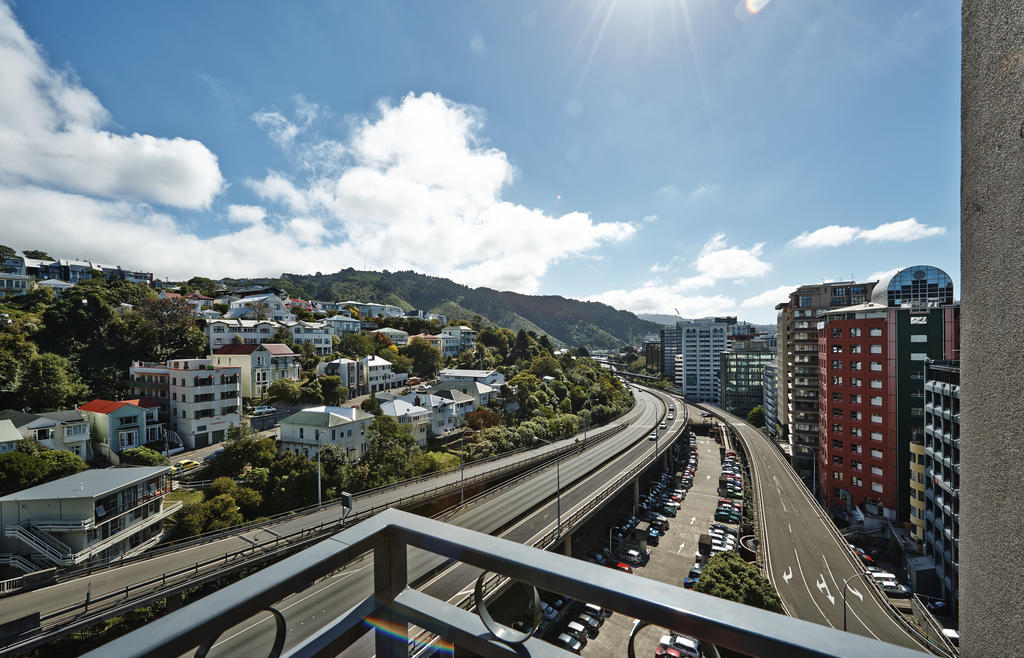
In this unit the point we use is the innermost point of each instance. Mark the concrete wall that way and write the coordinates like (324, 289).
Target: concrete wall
(992, 375)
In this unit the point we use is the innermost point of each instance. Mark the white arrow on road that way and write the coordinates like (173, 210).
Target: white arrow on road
(680, 548)
(789, 574)
(823, 586)
(855, 592)
(692, 520)
(709, 477)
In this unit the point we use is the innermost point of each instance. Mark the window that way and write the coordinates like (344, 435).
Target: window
(876, 383)
(855, 431)
(836, 395)
(856, 481)
(836, 427)
(876, 401)
(837, 412)
(876, 453)
(837, 444)
(837, 349)
(837, 460)
(836, 333)
(919, 338)
(856, 449)
(301, 432)
(876, 470)
(918, 356)
(856, 399)
(876, 366)
(856, 465)
(919, 319)
(875, 332)
(855, 381)
(837, 365)
(837, 475)
(128, 420)
(875, 349)
(837, 381)
(855, 349)
(855, 333)
(876, 418)
(876, 436)
(854, 365)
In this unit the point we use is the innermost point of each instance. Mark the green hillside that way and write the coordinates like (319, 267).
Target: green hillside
(567, 321)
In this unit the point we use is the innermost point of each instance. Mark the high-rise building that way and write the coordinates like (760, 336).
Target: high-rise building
(770, 398)
(652, 354)
(871, 389)
(741, 375)
(697, 364)
(798, 363)
(671, 346)
(942, 474)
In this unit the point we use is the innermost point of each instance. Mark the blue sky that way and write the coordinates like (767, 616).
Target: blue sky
(652, 154)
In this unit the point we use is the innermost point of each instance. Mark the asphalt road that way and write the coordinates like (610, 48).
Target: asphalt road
(534, 503)
(805, 556)
(114, 579)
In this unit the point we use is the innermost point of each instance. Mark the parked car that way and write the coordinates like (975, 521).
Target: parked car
(569, 642)
(621, 566)
(578, 630)
(686, 646)
(262, 411)
(588, 622)
(184, 465)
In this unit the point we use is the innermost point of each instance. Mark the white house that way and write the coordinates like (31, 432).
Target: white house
(202, 400)
(96, 514)
(261, 307)
(463, 403)
(443, 416)
(465, 335)
(370, 310)
(343, 324)
(222, 331)
(12, 285)
(56, 430)
(261, 365)
(481, 393)
(377, 373)
(350, 371)
(396, 336)
(318, 334)
(306, 431)
(199, 302)
(57, 286)
(417, 419)
(492, 378)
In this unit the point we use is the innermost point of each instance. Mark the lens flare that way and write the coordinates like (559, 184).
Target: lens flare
(447, 648)
(754, 6)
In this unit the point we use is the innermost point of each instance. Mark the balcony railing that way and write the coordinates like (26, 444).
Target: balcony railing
(394, 606)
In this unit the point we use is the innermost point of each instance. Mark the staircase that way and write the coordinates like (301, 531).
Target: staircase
(44, 545)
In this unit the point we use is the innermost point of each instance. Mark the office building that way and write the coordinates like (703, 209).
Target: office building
(942, 474)
(770, 399)
(798, 363)
(872, 389)
(741, 375)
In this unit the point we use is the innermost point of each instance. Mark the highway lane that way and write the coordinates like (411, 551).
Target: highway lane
(114, 579)
(309, 610)
(806, 558)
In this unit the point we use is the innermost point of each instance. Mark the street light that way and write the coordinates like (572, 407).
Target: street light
(462, 474)
(318, 500)
(845, 583)
(558, 485)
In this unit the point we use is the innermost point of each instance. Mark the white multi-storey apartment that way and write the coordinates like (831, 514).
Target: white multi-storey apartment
(261, 307)
(205, 399)
(222, 331)
(95, 514)
(370, 310)
(343, 324)
(261, 365)
(306, 431)
(698, 363)
(465, 335)
(318, 334)
(443, 411)
(378, 373)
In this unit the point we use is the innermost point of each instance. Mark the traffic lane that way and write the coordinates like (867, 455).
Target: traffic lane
(822, 561)
(303, 610)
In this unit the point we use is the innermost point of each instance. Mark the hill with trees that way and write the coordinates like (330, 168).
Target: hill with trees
(566, 321)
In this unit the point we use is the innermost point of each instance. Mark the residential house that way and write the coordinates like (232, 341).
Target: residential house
(222, 331)
(372, 310)
(199, 302)
(463, 403)
(204, 398)
(417, 419)
(56, 430)
(122, 424)
(261, 307)
(448, 345)
(99, 514)
(12, 285)
(261, 365)
(343, 324)
(492, 378)
(351, 373)
(465, 335)
(378, 373)
(56, 285)
(443, 416)
(294, 302)
(318, 334)
(424, 315)
(396, 336)
(481, 393)
(345, 427)
(10, 437)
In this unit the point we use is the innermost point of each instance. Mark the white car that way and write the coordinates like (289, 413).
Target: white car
(687, 646)
(569, 642)
(262, 411)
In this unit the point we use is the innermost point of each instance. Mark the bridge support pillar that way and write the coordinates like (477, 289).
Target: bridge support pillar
(567, 545)
(636, 495)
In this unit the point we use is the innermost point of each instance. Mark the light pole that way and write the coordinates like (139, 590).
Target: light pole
(462, 474)
(845, 583)
(558, 486)
(318, 500)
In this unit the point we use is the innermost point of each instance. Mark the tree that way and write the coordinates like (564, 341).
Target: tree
(728, 576)
(426, 359)
(6, 252)
(481, 419)
(756, 416)
(37, 254)
(371, 405)
(203, 285)
(50, 382)
(20, 470)
(582, 351)
(61, 463)
(311, 392)
(546, 366)
(285, 390)
(391, 453)
(143, 456)
(334, 392)
(356, 346)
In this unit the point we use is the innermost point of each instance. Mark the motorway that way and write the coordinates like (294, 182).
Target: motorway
(805, 556)
(522, 513)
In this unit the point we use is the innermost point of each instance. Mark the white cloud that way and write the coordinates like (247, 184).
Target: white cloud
(649, 219)
(832, 235)
(878, 276)
(717, 260)
(663, 299)
(477, 45)
(667, 193)
(246, 214)
(835, 235)
(51, 134)
(702, 190)
(768, 298)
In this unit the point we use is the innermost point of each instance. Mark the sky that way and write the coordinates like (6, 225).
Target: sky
(655, 155)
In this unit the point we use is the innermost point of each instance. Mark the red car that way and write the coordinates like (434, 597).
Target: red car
(671, 652)
(622, 566)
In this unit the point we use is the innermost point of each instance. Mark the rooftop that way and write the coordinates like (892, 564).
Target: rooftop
(106, 406)
(88, 484)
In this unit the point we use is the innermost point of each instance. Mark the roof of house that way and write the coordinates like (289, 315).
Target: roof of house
(454, 395)
(279, 349)
(475, 387)
(92, 483)
(170, 295)
(105, 406)
(236, 348)
(146, 403)
(55, 283)
(389, 330)
(402, 408)
(197, 295)
(18, 418)
(8, 432)
(325, 416)
(375, 360)
(68, 416)
(456, 372)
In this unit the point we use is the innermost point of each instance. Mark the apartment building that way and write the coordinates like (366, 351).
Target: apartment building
(342, 324)
(942, 474)
(12, 285)
(306, 431)
(261, 307)
(98, 514)
(770, 399)
(318, 334)
(466, 336)
(56, 430)
(222, 331)
(871, 363)
(740, 381)
(202, 400)
(698, 362)
(396, 336)
(261, 365)
(798, 364)
(369, 310)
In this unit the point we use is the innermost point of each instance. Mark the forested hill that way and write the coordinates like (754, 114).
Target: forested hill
(567, 321)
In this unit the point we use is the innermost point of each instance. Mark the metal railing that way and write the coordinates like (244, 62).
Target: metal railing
(394, 607)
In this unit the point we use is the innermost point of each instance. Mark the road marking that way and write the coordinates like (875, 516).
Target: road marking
(789, 574)
(692, 520)
(823, 587)
(790, 526)
(855, 592)
(680, 548)
(784, 508)
(807, 587)
(852, 609)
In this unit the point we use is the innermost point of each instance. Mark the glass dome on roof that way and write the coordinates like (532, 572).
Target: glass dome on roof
(920, 285)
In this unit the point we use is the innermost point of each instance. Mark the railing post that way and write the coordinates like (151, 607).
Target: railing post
(390, 577)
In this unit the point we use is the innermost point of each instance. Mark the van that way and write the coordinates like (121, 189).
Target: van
(883, 575)
(262, 411)
(596, 611)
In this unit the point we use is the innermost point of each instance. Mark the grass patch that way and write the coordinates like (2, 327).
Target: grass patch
(185, 496)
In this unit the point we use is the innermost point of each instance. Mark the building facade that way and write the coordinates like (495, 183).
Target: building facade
(698, 362)
(741, 375)
(942, 473)
(798, 364)
(770, 399)
(261, 365)
(871, 360)
(306, 431)
(57, 430)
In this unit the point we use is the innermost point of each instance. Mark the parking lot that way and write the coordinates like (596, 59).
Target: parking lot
(669, 560)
